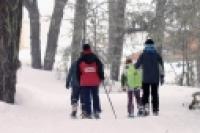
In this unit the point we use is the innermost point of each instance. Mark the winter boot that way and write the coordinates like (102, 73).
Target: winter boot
(84, 115)
(73, 114)
(130, 111)
(155, 113)
(131, 115)
(140, 111)
(146, 110)
(96, 115)
(74, 110)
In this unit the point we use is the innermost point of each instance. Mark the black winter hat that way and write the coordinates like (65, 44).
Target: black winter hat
(86, 47)
(149, 41)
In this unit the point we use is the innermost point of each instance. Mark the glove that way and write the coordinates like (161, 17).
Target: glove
(161, 79)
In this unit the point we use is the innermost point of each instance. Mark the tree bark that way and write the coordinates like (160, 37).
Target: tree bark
(53, 34)
(10, 28)
(198, 71)
(159, 25)
(196, 33)
(79, 28)
(32, 7)
(116, 35)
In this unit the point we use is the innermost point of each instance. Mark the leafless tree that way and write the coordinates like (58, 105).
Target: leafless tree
(54, 31)
(32, 7)
(79, 28)
(116, 35)
(10, 27)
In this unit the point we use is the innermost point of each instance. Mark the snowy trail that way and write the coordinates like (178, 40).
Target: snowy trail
(43, 106)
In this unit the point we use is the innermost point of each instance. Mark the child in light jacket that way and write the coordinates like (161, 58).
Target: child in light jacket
(131, 81)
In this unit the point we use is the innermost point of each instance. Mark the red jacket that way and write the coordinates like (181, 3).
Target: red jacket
(89, 70)
(89, 75)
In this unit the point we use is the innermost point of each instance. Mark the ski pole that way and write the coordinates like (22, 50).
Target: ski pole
(112, 107)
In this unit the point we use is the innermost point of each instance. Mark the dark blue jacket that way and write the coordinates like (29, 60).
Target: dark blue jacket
(150, 62)
(71, 79)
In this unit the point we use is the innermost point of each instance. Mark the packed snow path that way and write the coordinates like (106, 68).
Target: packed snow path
(43, 106)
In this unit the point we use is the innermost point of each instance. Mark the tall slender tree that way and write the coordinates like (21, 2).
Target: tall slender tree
(32, 7)
(158, 29)
(79, 28)
(10, 27)
(116, 35)
(195, 26)
(54, 31)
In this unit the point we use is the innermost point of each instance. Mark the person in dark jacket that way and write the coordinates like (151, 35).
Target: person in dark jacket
(71, 81)
(151, 63)
(90, 74)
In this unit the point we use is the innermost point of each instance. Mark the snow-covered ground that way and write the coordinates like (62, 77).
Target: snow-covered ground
(43, 106)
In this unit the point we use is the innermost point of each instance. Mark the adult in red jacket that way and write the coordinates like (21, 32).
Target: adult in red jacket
(90, 73)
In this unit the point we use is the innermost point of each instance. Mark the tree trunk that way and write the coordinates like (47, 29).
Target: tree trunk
(198, 71)
(10, 27)
(159, 26)
(116, 35)
(198, 61)
(32, 7)
(79, 28)
(196, 33)
(53, 34)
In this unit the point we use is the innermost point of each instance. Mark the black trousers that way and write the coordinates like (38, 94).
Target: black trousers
(75, 95)
(153, 88)
(90, 95)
